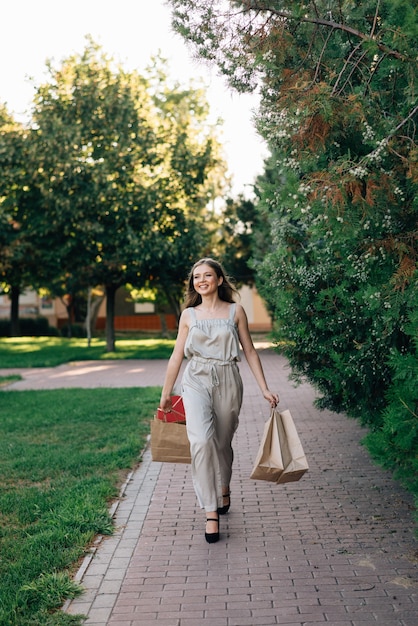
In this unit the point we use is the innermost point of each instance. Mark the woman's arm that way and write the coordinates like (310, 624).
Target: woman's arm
(252, 357)
(175, 362)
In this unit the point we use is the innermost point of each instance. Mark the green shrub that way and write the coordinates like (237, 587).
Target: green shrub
(395, 444)
(4, 328)
(75, 330)
(30, 327)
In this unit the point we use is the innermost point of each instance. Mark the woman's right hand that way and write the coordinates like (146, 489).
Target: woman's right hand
(165, 403)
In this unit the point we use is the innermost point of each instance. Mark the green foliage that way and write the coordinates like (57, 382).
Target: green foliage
(22, 261)
(395, 444)
(48, 590)
(233, 241)
(73, 330)
(35, 327)
(63, 454)
(109, 185)
(339, 195)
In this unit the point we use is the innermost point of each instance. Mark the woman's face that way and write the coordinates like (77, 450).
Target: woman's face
(205, 280)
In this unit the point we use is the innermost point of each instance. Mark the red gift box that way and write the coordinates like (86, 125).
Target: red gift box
(177, 413)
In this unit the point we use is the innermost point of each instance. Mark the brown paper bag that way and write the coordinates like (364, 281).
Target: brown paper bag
(280, 458)
(169, 442)
(269, 463)
(294, 458)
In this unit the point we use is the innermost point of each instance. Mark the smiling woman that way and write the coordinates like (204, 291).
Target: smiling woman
(211, 329)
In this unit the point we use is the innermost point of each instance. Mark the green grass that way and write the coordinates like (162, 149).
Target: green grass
(6, 380)
(63, 457)
(52, 351)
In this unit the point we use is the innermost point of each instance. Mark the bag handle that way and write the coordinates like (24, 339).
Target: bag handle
(174, 412)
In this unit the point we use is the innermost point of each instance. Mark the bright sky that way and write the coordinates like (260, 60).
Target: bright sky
(131, 31)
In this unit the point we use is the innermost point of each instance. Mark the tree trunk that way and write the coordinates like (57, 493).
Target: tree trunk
(92, 313)
(70, 320)
(173, 302)
(14, 311)
(88, 318)
(110, 317)
(164, 329)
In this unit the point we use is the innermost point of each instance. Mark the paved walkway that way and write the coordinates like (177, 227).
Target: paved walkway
(337, 547)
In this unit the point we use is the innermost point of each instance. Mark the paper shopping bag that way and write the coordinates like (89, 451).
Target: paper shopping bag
(280, 458)
(269, 463)
(294, 459)
(169, 441)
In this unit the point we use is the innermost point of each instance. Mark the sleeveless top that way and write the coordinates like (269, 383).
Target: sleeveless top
(213, 339)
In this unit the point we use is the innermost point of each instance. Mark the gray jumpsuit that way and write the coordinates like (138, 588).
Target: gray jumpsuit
(212, 395)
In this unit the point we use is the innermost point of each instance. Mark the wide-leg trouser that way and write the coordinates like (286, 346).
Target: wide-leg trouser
(212, 395)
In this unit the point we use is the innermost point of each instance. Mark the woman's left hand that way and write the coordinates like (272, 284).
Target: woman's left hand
(273, 398)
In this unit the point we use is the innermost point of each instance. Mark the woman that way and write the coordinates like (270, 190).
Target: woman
(210, 329)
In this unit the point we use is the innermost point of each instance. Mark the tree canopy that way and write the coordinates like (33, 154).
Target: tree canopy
(21, 261)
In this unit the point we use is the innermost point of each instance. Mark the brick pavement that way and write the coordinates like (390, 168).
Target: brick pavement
(337, 547)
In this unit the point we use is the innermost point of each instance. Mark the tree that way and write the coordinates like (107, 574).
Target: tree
(9, 240)
(123, 167)
(193, 178)
(20, 241)
(96, 147)
(338, 110)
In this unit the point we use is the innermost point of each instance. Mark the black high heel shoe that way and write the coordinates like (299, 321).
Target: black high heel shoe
(224, 509)
(212, 537)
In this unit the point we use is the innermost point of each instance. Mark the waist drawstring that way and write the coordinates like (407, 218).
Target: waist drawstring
(214, 375)
(213, 363)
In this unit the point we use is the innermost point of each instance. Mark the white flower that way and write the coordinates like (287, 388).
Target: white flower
(368, 133)
(358, 172)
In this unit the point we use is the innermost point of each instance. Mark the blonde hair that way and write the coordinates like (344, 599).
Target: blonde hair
(226, 290)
